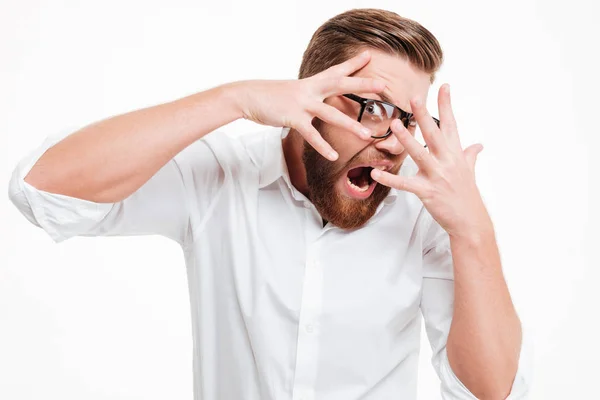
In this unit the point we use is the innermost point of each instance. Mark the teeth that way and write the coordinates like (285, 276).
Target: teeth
(358, 188)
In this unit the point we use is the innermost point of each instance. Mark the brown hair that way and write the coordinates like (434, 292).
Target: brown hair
(346, 34)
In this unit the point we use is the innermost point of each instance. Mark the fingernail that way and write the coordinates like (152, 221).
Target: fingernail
(375, 173)
(448, 88)
(417, 102)
(365, 133)
(333, 155)
(364, 53)
(397, 125)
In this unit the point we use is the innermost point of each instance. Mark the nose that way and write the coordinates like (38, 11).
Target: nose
(389, 145)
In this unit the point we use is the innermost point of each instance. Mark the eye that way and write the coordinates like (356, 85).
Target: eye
(374, 110)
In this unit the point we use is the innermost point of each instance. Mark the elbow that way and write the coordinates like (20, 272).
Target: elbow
(497, 384)
(488, 377)
(493, 393)
(32, 180)
(36, 178)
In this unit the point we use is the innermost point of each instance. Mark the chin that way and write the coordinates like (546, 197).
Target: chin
(345, 195)
(349, 210)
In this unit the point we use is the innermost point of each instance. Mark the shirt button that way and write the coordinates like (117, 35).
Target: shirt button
(310, 328)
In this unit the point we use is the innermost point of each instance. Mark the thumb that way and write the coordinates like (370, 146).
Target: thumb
(471, 153)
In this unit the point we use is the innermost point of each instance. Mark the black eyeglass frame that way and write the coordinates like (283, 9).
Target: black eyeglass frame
(404, 115)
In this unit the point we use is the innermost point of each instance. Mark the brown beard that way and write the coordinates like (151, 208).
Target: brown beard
(322, 177)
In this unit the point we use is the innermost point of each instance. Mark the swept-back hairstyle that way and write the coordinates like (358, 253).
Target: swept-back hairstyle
(346, 34)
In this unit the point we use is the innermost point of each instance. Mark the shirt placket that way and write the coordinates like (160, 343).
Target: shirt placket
(309, 330)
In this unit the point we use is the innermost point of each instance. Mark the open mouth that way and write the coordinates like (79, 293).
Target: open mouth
(360, 178)
(359, 183)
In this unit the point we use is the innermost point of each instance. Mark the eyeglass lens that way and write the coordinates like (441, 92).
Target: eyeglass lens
(378, 117)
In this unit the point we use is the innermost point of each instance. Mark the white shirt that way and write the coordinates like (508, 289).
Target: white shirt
(282, 307)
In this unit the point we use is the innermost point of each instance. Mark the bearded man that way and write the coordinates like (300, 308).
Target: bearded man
(313, 248)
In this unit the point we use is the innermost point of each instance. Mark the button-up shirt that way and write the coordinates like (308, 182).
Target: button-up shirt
(282, 306)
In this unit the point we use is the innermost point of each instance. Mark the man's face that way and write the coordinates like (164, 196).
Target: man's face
(343, 191)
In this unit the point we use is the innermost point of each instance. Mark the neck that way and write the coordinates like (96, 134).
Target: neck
(293, 146)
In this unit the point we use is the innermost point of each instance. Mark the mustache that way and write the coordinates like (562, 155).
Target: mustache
(367, 156)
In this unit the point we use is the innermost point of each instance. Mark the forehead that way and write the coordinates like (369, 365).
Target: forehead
(403, 81)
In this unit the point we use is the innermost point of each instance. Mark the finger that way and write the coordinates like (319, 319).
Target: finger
(417, 152)
(447, 120)
(349, 66)
(334, 116)
(411, 184)
(314, 138)
(471, 153)
(345, 84)
(428, 127)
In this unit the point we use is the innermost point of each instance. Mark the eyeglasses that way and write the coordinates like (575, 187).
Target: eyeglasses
(377, 115)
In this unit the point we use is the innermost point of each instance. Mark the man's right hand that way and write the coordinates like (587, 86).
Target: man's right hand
(295, 103)
(125, 151)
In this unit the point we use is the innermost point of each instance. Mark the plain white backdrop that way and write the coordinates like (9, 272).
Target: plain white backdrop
(78, 321)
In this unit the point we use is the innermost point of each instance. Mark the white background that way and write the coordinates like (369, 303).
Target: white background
(108, 318)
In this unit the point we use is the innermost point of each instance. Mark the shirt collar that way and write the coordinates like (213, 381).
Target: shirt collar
(273, 165)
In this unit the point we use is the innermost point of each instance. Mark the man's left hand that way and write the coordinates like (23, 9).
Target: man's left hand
(445, 182)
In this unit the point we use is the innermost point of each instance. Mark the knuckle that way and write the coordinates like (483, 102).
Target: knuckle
(312, 107)
(427, 192)
(352, 125)
(286, 121)
(308, 85)
(323, 112)
(421, 154)
(310, 134)
(338, 82)
(309, 89)
(400, 184)
(344, 121)
(366, 84)
(323, 85)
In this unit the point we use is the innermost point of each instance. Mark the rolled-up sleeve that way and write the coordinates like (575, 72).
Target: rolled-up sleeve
(161, 206)
(437, 309)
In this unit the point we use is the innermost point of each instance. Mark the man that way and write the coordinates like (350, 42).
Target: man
(312, 249)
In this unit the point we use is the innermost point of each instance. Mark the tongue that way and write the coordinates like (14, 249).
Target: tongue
(355, 172)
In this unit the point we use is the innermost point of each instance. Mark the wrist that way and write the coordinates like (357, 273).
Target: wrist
(475, 229)
(473, 237)
(203, 112)
(235, 95)
(473, 221)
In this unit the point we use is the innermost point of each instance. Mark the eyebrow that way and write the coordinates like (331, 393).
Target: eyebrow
(388, 99)
(384, 97)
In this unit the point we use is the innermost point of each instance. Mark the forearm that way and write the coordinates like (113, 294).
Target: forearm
(484, 342)
(108, 160)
